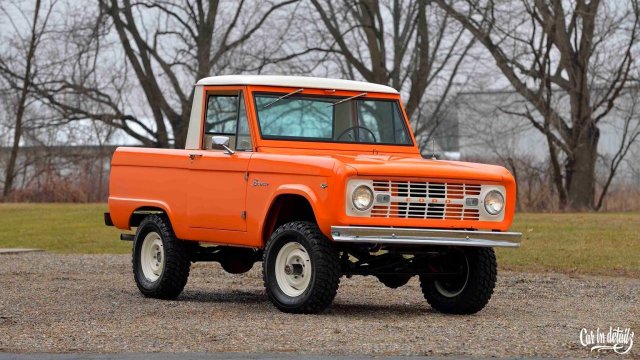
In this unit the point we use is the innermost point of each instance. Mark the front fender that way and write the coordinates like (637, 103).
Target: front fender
(318, 200)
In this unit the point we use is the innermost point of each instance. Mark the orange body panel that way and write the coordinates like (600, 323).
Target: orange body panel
(224, 199)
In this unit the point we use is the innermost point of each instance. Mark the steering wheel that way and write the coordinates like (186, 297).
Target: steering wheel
(353, 128)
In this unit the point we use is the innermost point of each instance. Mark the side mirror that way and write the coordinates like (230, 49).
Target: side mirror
(223, 142)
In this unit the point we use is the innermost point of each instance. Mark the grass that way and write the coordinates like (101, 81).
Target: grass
(589, 243)
(61, 228)
(584, 243)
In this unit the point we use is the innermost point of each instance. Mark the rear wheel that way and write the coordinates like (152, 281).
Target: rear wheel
(301, 270)
(469, 288)
(160, 260)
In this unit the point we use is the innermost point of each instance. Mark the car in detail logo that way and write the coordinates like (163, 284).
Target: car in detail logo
(619, 340)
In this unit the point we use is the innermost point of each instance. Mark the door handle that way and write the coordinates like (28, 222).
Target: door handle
(193, 156)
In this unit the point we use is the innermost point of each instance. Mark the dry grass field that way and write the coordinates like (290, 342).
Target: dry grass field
(582, 243)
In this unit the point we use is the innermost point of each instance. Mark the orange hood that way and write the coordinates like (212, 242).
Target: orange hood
(400, 166)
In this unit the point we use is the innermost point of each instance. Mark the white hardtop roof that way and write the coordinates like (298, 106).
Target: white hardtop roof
(297, 82)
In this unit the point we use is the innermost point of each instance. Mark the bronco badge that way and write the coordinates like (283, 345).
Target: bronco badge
(257, 182)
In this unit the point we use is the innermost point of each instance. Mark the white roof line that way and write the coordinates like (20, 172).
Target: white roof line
(297, 81)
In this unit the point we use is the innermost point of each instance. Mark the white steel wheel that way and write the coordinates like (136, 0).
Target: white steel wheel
(453, 287)
(293, 269)
(152, 257)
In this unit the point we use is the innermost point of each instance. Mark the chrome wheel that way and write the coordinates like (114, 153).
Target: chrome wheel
(293, 269)
(453, 286)
(152, 256)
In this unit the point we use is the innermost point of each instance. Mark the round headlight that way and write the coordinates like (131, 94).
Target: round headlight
(494, 202)
(362, 197)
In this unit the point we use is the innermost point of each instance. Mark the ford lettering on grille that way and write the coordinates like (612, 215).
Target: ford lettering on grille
(426, 200)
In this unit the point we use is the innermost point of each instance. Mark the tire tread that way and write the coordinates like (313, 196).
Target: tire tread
(482, 277)
(328, 270)
(177, 262)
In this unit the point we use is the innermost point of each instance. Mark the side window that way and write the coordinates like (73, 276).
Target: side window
(226, 115)
(222, 114)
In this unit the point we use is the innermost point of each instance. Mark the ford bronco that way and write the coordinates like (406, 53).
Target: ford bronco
(318, 179)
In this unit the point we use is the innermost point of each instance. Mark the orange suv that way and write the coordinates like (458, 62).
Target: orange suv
(318, 179)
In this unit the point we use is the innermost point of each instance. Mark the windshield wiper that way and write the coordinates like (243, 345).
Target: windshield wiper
(283, 97)
(347, 99)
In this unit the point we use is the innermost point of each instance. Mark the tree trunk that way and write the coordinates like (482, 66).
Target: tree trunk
(581, 165)
(580, 171)
(13, 157)
(180, 127)
(21, 106)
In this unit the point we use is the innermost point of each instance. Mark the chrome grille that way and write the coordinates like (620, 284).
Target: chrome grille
(426, 200)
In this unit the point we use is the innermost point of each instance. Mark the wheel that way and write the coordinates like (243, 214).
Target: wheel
(301, 269)
(160, 260)
(394, 281)
(470, 290)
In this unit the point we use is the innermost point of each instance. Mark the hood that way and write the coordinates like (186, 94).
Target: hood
(399, 166)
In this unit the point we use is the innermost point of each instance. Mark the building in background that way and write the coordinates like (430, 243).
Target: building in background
(488, 130)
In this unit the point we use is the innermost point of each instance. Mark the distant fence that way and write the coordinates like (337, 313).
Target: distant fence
(60, 173)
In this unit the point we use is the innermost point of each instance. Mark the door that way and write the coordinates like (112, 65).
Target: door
(217, 183)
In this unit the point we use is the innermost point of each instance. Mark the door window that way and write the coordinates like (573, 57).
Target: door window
(227, 115)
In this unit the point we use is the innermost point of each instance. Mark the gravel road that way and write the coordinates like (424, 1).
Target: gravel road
(89, 303)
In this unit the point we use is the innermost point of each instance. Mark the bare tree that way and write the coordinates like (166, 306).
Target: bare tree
(629, 130)
(410, 46)
(18, 70)
(546, 48)
(168, 46)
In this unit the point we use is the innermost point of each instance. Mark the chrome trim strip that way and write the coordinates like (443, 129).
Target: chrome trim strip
(417, 236)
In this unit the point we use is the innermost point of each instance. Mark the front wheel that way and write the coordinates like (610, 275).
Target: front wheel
(469, 284)
(160, 260)
(301, 269)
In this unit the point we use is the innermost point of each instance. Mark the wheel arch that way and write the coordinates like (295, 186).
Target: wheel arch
(125, 212)
(285, 207)
(138, 214)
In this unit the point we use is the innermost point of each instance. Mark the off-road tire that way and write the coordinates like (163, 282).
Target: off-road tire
(477, 291)
(174, 276)
(325, 275)
(394, 281)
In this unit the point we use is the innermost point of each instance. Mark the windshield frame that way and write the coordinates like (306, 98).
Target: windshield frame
(332, 98)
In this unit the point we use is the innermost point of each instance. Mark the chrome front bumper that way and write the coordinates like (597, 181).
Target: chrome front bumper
(413, 236)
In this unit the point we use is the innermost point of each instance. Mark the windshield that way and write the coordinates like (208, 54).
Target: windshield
(310, 118)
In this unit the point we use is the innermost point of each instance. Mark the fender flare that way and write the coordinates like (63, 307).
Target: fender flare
(292, 189)
(130, 206)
